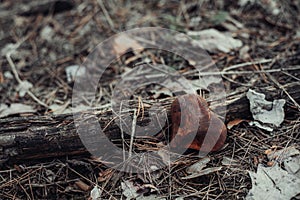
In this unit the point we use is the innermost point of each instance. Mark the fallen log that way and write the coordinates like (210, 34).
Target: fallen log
(36, 137)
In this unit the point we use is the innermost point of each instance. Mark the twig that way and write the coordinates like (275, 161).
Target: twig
(281, 86)
(28, 197)
(90, 181)
(132, 133)
(13, 68)
(248, 63)
(122, 131)
(108, 18)
(139, 105)
(242, 72)
(290, 75)
(284, 90)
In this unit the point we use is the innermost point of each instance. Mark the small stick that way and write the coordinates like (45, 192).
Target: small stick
(108, 18)
(132, 133)
(284, 90)
(14, 70)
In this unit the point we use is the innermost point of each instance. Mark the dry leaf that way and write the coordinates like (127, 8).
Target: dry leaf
(83, 186)
(103, 176)
(213, 40)
(95, 193)
(282, 154)
(73, 71)
(273, 183)
(203, 172)
(266, 113)
(24, 87)
(132, 190)
(229, 161)
(198, 166)
(292, 165)
(123, 43)
(129, 190)
(15, 108)
(234, 122)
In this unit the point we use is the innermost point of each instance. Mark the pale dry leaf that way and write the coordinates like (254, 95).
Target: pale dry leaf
(161, 91)
(273, 183)
(163, 75)
(50, 175)
(229, 161)
(264, 112)
(129, 190)
(165, 155)
(203, 83)
(202, 172)
(8, 75)
(292, 165)
(244, 2)
(244, 52)
(123, 43)
(261, 126)
(9, 48)
(214, 40)
(15, 108)
(47, 33)
(95, 193)
(24, 87)
(198, 166)
(283, 154)
(73, 71)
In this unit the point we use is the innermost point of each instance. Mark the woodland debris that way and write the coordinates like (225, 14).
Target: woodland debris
(273, 183)
(15, 108)
(283, 154)
(214, 40)
(265, 113)
(73, 71)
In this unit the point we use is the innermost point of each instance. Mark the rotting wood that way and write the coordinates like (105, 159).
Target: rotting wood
(36, 137)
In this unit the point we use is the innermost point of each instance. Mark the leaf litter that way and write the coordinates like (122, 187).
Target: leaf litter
(266, 38)
(265, 113)
(277, 182)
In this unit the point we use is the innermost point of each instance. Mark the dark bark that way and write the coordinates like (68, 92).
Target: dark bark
(35, 137)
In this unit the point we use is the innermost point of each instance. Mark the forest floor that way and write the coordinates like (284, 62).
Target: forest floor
(258, 49)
